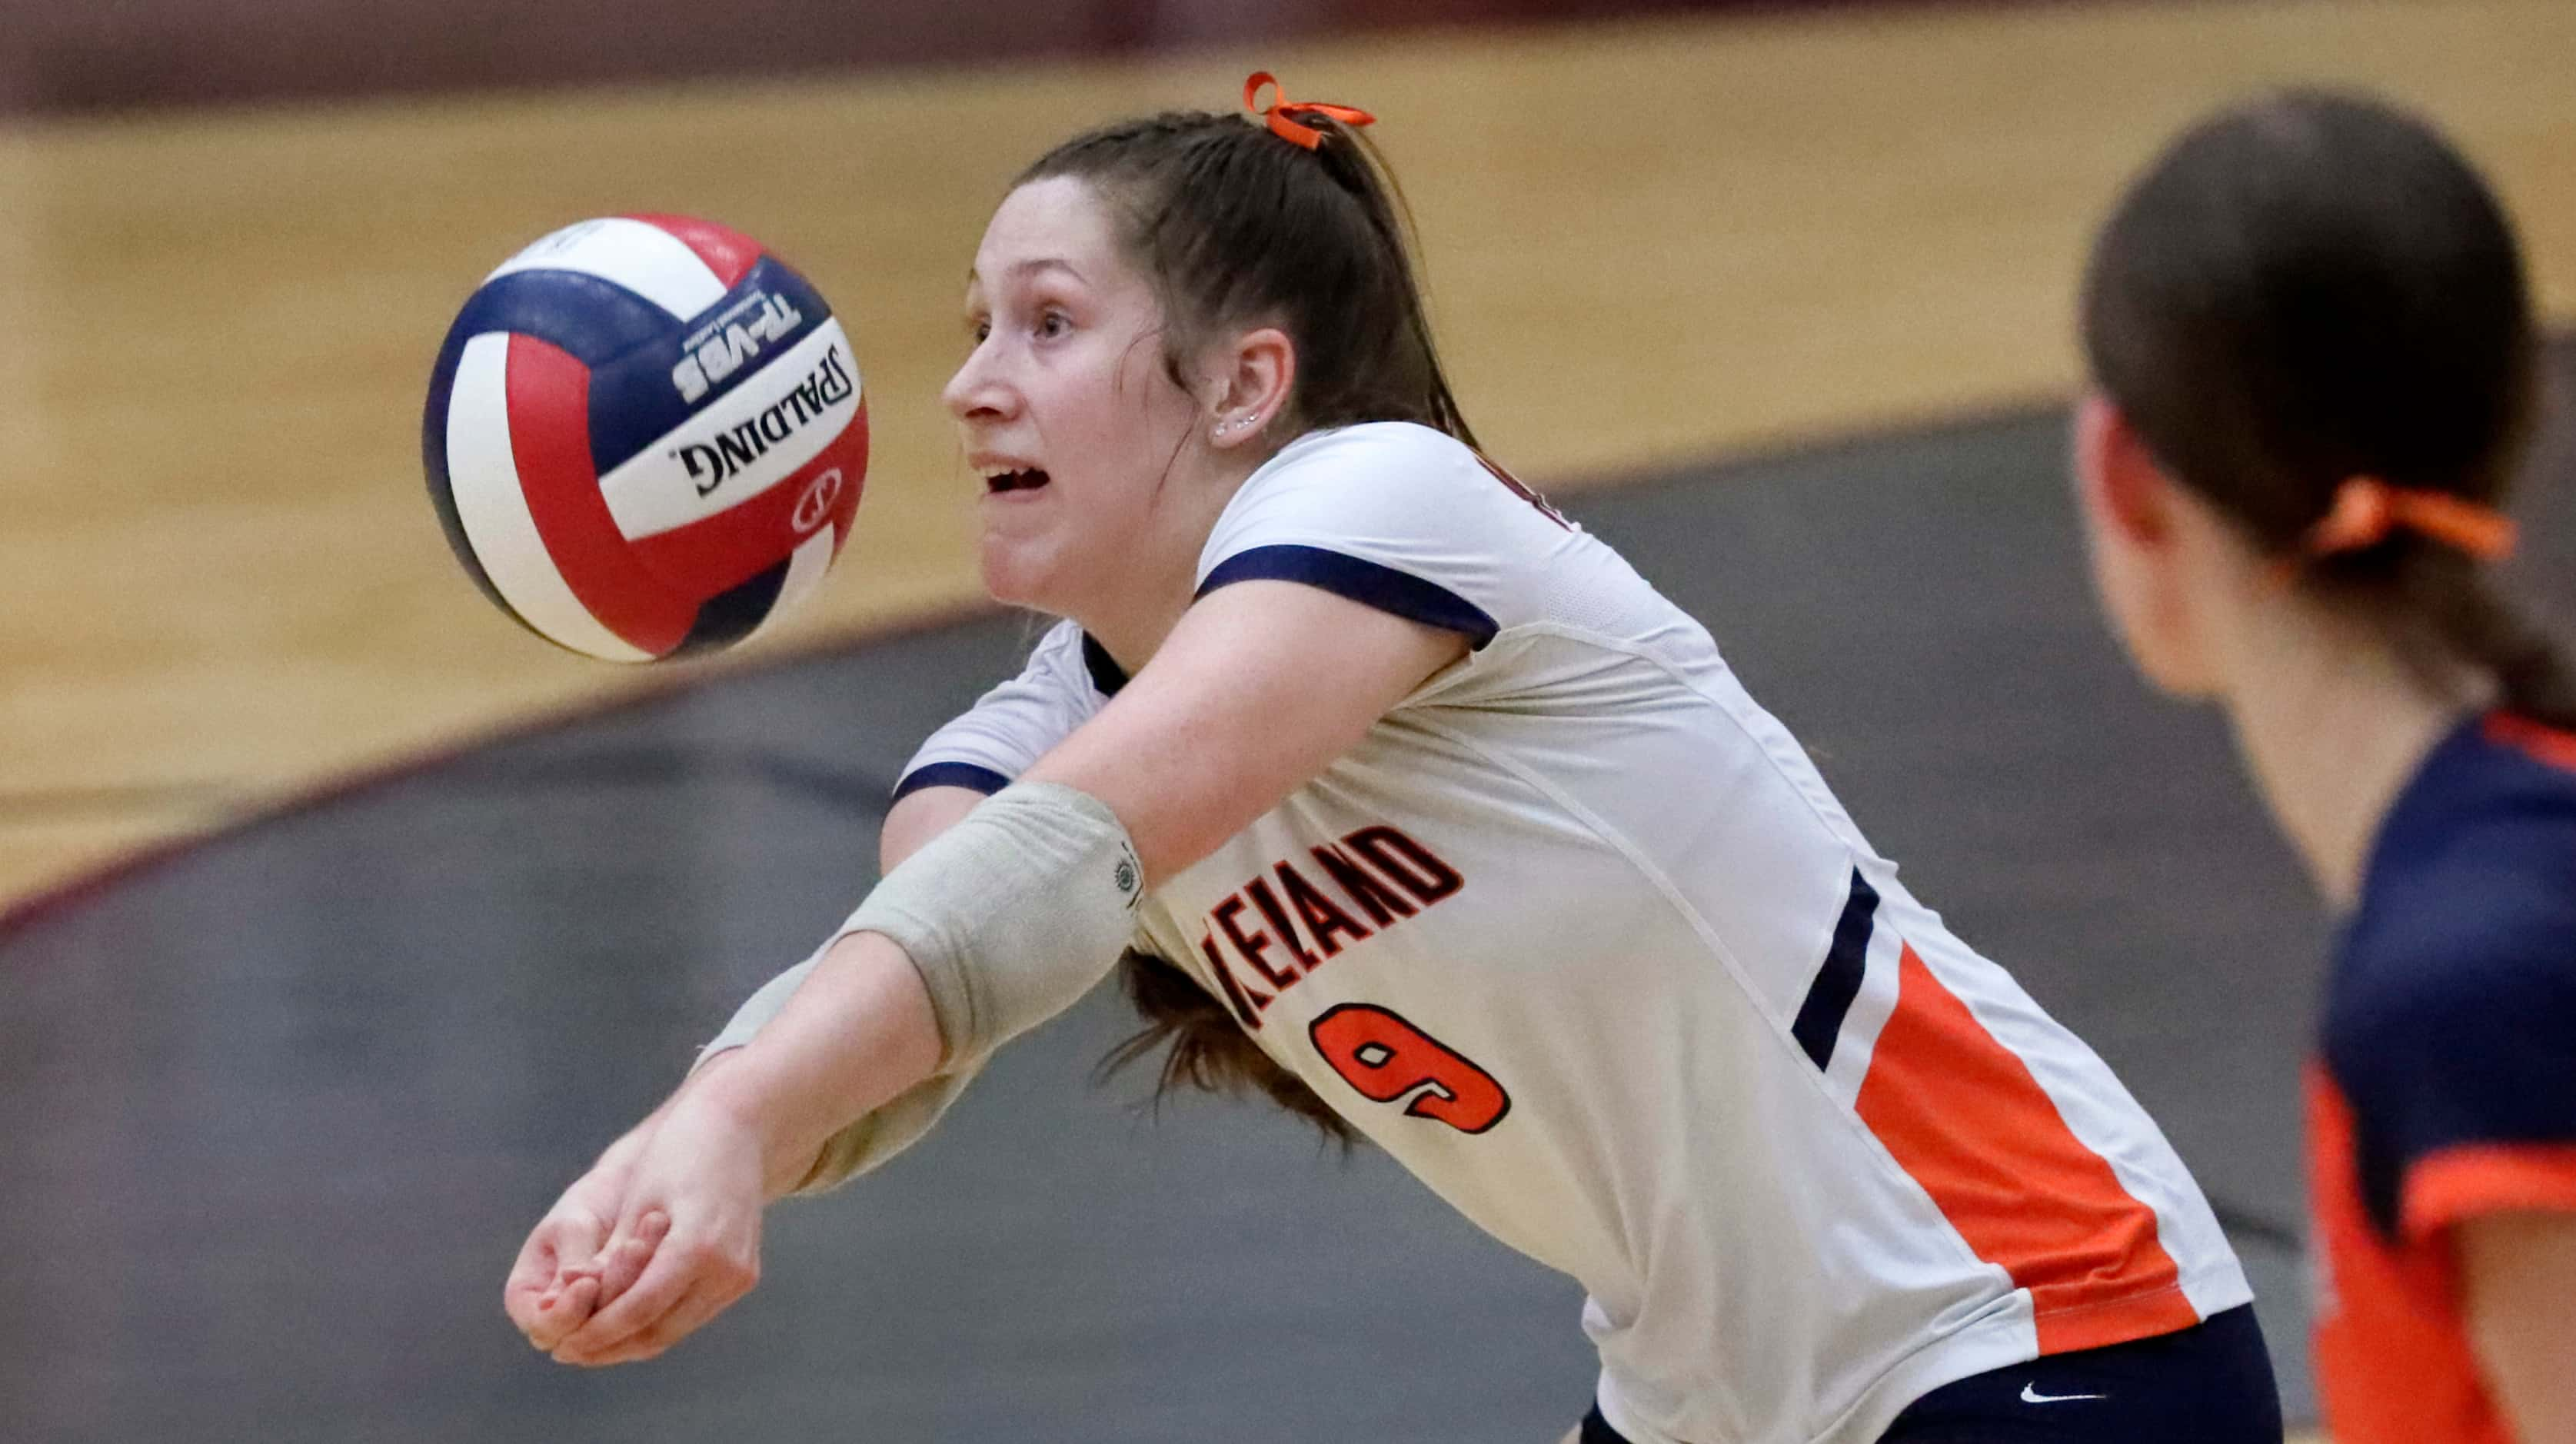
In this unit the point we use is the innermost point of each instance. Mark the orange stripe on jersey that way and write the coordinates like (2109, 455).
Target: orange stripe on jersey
(2452, 1184)
(2546, 743)
(2393, 1360)
(1964, 1116)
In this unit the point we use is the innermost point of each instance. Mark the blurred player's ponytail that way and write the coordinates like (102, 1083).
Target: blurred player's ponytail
(2315, 288)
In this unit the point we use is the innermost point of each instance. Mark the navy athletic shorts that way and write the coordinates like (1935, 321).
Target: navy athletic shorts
(2210, 1384)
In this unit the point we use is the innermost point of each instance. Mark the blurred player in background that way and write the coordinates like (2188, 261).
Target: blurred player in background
(1428, 818)
(2314, 371)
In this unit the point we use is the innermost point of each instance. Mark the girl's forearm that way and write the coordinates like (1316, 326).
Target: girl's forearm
(857, 1032)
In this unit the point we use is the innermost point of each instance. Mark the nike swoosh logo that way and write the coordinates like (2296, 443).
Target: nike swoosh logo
(2030, 1395)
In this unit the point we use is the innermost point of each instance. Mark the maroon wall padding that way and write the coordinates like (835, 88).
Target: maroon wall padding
(70, 56)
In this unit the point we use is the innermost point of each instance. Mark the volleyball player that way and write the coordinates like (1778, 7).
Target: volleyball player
(1401, 800)
(2313, 367)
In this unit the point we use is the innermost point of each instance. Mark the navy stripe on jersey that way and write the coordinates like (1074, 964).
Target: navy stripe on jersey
(1365, 582)
(950, 774)
(1829, 998)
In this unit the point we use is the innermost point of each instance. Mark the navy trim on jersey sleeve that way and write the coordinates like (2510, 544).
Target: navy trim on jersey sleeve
(1368, 583)
(1106, 674)
(950, 774)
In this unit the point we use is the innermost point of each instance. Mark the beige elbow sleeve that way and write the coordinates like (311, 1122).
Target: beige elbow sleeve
(886, 1130)
(1009, 916)
(1012, 914)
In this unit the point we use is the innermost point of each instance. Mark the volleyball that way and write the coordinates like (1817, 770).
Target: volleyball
(646, 437)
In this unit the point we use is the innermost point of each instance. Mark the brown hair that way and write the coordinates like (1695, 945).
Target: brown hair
(1206, 1049)
(1237, 226)
(2312, 287)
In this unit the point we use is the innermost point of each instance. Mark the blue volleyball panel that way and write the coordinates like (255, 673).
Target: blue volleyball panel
(597, 321)
(732, 615)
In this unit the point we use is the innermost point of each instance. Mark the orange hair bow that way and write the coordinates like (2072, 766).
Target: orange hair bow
(1282, 113)
(2366, 509)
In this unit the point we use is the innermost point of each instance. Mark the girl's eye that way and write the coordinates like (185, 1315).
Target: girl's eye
(1054, 323)
(979, 329)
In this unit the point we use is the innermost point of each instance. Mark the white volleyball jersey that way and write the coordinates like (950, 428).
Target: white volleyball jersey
(1579, 935)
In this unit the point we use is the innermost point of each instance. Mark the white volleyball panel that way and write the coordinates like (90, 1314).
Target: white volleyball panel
(483, 479)
(645, 259)
(805, 573)
(756, 436)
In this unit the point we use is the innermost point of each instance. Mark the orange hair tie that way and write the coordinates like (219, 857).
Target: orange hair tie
(1283, 112)
(2366, 509)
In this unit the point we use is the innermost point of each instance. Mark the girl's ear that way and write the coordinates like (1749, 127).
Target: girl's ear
(2122, 485)
(1254, 376)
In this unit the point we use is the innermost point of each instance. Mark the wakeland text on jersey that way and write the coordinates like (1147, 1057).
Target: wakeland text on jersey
(1400, 877)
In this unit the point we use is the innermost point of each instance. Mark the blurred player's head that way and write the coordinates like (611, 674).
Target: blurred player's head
(1158, 306)
(2313, 371)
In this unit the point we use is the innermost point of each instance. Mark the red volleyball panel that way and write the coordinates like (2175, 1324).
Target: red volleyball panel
(728, 253)
(851, 447)
(549, 401)
(740, 542)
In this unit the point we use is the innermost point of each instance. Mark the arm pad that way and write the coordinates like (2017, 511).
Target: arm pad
(886, 1130)
(1012, 914)
(1009, 916)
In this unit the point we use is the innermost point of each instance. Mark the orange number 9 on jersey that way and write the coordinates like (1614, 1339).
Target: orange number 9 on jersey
(1385, 1058)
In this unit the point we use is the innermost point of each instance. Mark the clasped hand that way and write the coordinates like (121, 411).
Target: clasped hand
(660, 1236)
